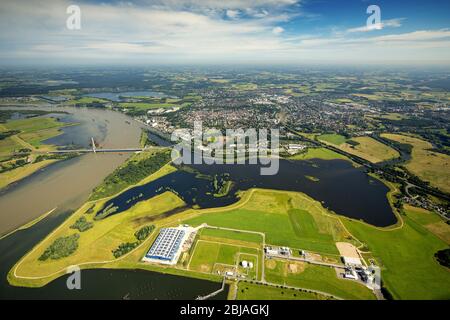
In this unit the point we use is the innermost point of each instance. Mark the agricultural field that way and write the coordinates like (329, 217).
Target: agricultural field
(406, 256)
(431, 221)
(363, 147)
(334, 139)
(320, 278)
(251, 291)
(232, 235)
(86, 100)
(287, 219)
(370, 150)
(33, 131)
(429, 166)
(216, 257)
(8, 177)
(318, 153)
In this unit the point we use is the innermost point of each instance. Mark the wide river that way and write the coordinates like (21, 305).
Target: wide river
(66, 185)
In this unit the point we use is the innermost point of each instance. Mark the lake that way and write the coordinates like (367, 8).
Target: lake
(344, 189)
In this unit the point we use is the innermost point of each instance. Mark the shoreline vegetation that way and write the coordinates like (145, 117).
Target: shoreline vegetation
(27, 271)
(135, 169)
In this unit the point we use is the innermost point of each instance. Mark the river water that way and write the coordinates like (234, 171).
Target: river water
(71, 181)
(66, 185)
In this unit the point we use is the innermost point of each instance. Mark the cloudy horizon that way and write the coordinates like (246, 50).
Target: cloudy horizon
(211, 31)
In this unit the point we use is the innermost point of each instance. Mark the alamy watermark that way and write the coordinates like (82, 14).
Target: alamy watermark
(374, 20)
(237, 146)
(73, 22)
(74, 280)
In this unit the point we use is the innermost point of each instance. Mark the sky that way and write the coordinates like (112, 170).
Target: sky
(225, 31)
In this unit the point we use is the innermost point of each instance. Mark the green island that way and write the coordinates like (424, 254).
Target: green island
(138, 167)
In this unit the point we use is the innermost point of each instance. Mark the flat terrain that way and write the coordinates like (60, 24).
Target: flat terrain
(287, 219)
(334, 139)
(363, 147)
(406, 255)
(250, 291)
(370, 150)
(301, 274)
(8, 177)
(318, 153)
(430, 166)
(404, 252)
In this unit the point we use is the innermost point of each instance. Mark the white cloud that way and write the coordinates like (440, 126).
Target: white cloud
(221, 31)
(232, 14)
(277, 30)
(392, 23)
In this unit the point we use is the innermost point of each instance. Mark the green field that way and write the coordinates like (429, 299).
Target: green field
(406, 254)
(335, 139)
(305, 228)
(318, 153)
(314, 277)
(234, 235)
(251, 291)
(370, 149)
(209, 257)
(33, 124)
(429, 166)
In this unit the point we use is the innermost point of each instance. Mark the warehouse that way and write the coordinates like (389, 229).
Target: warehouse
(167, 246)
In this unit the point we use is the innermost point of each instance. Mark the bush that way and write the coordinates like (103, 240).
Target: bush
(144, 232)
(124, 248)
(140, 235)
(82, 225)
(61, 247)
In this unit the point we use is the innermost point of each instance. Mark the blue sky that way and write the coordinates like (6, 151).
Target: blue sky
(225, 31)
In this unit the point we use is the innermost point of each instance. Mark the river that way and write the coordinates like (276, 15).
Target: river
(66, 185)
(71, 181)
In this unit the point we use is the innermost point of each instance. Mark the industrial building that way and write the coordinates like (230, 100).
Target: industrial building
(167, 246)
